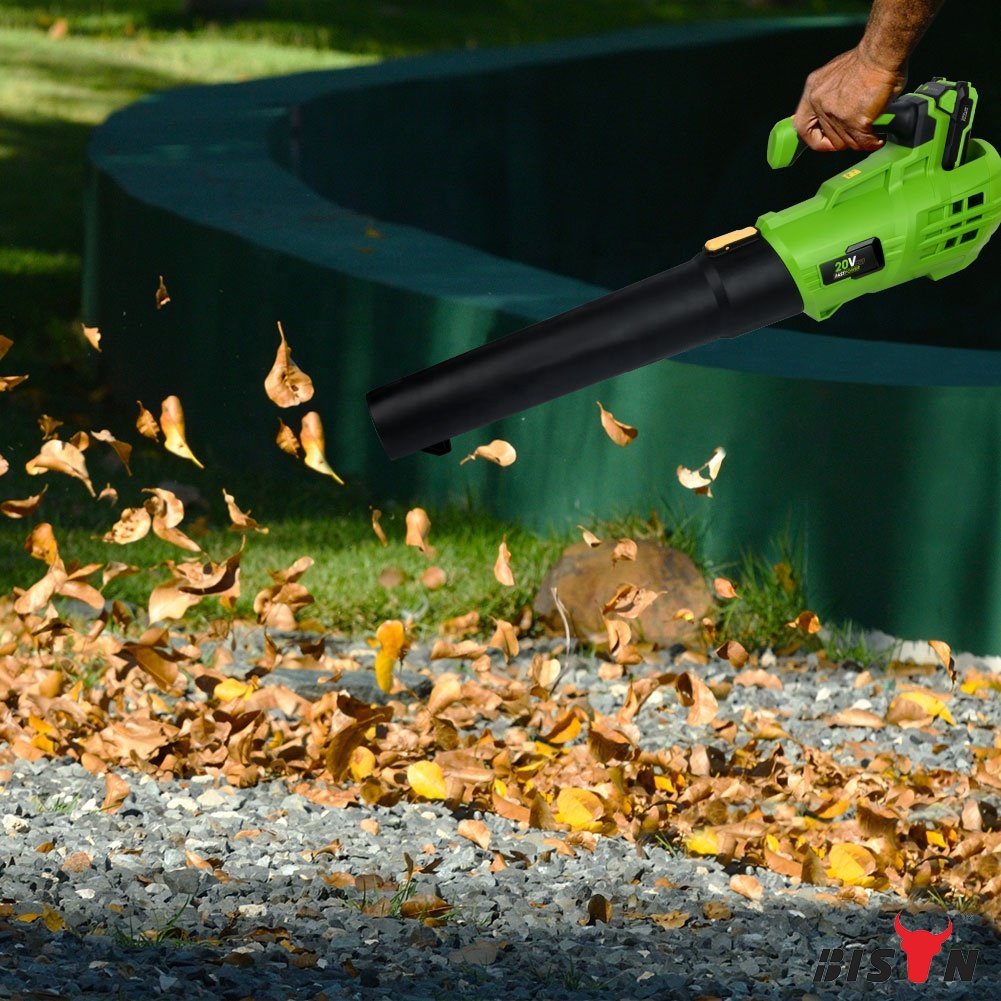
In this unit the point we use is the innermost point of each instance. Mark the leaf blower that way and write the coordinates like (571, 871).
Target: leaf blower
(923, 204)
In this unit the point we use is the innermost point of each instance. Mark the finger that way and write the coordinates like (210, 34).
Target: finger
(809, 130)
(834, 130)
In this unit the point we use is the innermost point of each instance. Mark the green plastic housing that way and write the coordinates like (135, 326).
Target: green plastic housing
(929, 221)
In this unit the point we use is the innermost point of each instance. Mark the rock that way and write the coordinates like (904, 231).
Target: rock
(586, 578)
(311, 683)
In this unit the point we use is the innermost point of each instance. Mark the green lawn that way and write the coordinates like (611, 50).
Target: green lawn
(56, 83)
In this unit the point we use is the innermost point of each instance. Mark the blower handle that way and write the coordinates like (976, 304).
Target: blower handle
(904, 122)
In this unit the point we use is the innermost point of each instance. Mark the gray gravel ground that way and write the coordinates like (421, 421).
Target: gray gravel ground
(277, 929)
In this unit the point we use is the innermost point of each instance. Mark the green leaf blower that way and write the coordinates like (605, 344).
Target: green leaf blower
(924, 204)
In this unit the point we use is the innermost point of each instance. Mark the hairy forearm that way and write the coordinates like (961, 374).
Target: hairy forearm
(895, 27)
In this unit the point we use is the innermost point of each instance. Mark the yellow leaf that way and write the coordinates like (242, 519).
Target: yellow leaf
(233, 688)
(172, 423)
(580, 808)
(392, 639)
(427, 780)
(851, 864)
(362, 763)
(934, 838)
(703, 842)
(931, 705)
(565, 729)
(806, 621)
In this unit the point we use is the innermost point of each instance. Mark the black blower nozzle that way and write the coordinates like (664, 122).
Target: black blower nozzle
(737, 284)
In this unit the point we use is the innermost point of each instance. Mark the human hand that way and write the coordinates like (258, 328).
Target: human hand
(842, 99)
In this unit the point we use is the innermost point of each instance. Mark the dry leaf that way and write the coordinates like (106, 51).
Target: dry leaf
(851, 864)
(476, 831)
(629, 601)
(856, 717)
(426, 779)
(944, 653)
(621, 434)
(41, 543)
(286, 384)
(146, 423)
(116, 791)
(498, 451)
(433, 578)
(392, 639)
(625, 549)
(377, 528)
(692, 479)
(589, 537)
(133, 524)
(162, 297)
(580, 808)
(93, 335)
(5, 345)
(807, 622)
(734, 652)
(502, 565)
(917, 707)
(599, 909)
(314, 446)
(4, 465)
(694, 693)
(241, 521)
(287, 440)
(49, 425)
(724, 588)
(61, 457)
(122, 449)
(22, 508)
(758, 678)
(172, 423)
(747, 886)
(418, 527)
(8, 382)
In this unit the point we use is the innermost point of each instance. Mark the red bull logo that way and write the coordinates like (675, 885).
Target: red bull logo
(919, 949)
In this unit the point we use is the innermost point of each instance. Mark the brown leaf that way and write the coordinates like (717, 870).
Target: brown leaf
(4, 465)
(418, 527)
(589, 537)
(9, 382)
(48, 426)
(110, 494)
(287, 440)
(476, 831)
(22, 508)
(806, 621)
(433, 578)
(734, 652)
(133, 524)
(314, 446)
(390, 577)
(694, 693)
(162, 297)
(625, 549)
(61, 457)
(241, 521)
(724, 588)
(122, 449)
(41, 592)
(116, 791)
(671, 919)
(5, 345)
(747, 886)
(502, 565)
(692, 479)
(856, 717)
(498, 451)
(629, 601)
(172, 423)
(944, 653)
(286, 384)
(599, 909)
(621, 434)
(715, 910)
(758, 678)
(377, 528)
(425, 907)
(41, 543)
(146, 424)
(93, 335)
(505, 639)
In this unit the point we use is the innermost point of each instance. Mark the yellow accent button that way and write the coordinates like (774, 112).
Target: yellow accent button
(727, 240)
(849, 174)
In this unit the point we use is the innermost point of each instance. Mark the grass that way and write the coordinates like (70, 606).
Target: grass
(848, 644)
(166, 934)
(53, 90)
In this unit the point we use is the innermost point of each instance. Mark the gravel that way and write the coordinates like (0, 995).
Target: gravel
(270, 916)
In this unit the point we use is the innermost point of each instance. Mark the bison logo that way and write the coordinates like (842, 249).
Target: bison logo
(920, 947)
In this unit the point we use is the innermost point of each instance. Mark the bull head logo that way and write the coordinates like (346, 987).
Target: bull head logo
(920, 947)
